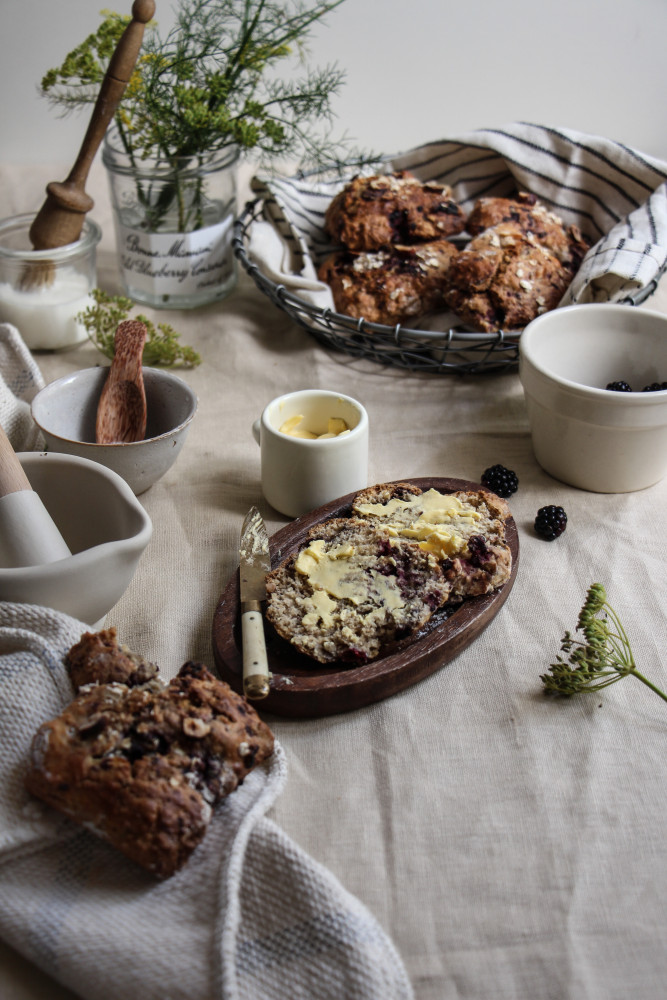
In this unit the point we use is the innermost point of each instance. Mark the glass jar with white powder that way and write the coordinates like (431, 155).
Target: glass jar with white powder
(43, 291)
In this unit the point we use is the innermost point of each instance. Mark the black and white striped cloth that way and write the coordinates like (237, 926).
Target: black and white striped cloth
(616, 195)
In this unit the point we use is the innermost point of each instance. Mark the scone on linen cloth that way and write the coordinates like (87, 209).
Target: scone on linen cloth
(565, 242)
(250, 914)
(141, 762)
(616, 196)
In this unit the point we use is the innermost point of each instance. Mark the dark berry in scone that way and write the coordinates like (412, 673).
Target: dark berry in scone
(389, 286)
(503, 279)
(531, 216)
(374, 212)
(352, 589)
(141, 763)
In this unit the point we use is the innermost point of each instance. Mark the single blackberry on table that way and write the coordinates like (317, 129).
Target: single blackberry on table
(550, 522)
(655, 387)
(619, 387)
(501, 481)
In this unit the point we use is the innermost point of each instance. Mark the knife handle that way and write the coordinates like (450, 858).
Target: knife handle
(255, 664)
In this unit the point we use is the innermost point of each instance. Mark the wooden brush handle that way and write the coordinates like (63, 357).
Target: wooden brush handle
(60, 219)
(12, 477)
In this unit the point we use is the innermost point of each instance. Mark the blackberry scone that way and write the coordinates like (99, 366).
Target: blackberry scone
(389, 286)
(374, 212)
(503, 279)
(142, 763)
(465, 530)
(352, 589)
(531, 216)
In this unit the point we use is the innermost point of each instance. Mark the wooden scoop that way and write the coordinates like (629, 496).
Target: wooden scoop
(28, 534)
(121, 411)
(60, 219)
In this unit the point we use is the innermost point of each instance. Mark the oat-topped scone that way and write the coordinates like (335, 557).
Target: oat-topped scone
(373, 212)
(503, 279)
(389, 286)
(531, 216)
(142, 763)
(352, 589)
(465, 530)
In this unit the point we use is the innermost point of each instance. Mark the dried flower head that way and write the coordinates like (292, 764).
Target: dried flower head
(604, 656)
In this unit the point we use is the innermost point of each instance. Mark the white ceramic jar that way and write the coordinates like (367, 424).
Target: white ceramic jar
(301, 474)
(582, 433)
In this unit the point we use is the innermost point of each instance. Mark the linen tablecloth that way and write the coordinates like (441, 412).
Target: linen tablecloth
(511, 845)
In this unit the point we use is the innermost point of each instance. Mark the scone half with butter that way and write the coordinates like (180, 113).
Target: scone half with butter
(465, 530)
(352, 589)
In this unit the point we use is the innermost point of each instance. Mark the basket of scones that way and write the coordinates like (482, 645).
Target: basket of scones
(437, 260)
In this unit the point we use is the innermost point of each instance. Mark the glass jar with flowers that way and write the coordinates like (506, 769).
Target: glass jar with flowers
(203, 94)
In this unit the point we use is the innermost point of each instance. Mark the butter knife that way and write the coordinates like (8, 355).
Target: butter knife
(255, 563)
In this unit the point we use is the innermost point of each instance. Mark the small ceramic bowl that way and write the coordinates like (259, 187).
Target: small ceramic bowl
(65, 412)
(583, 433)
(102, 522)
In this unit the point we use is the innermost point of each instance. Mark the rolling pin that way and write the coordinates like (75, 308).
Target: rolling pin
(28, 534)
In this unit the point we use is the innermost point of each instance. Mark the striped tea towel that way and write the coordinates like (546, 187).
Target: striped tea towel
(20, 380)
(616, 195)
(249, 917)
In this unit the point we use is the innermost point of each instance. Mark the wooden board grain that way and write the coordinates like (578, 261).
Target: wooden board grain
(302, 688)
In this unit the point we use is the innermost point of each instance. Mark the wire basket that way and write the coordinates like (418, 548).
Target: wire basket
(453, 351)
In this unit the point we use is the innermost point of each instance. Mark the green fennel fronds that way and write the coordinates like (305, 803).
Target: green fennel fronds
(217, 79)
(604, 656)
(162, 345)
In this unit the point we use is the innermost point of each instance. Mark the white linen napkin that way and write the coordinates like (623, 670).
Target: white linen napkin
(249, 917)
(616, 195)
(20, 380)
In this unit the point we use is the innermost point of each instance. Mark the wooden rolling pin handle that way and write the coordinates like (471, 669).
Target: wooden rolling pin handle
(60, 219)
(12, 477)
(28, 534)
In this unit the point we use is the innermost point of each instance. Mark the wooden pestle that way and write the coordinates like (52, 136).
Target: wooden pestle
(28, 534)
(60, 219)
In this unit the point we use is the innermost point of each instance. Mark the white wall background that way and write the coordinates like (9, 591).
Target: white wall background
(416, 70)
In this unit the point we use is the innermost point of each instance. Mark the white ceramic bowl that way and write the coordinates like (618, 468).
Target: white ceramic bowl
(102, 522)
(65, 412)
(584, 434)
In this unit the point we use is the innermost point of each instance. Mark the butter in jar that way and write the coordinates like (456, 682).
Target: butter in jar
(292, 426)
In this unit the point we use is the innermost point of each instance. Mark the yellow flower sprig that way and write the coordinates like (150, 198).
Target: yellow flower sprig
(162, 345)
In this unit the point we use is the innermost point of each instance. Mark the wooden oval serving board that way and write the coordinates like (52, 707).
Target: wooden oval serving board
(303, 688)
